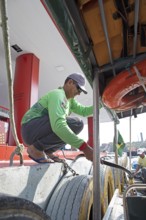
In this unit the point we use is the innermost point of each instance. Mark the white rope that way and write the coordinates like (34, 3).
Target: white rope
(141, 78)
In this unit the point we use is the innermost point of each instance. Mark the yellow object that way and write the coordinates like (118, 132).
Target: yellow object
(142, 161)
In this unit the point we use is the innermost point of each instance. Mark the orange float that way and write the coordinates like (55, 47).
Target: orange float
(125, 91)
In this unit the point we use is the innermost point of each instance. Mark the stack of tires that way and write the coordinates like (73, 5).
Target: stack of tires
(73, 197)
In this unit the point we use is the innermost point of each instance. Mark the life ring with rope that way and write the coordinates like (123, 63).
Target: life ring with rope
(127, 90)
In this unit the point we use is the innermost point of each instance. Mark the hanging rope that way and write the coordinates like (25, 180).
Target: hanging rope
(4, 24)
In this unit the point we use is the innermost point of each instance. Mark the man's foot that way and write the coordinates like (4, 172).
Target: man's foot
(38, 156)
(54, 158)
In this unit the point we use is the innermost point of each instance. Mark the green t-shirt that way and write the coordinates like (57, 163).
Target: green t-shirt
(59, 107)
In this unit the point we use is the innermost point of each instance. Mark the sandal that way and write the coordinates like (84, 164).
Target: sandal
(41, 160)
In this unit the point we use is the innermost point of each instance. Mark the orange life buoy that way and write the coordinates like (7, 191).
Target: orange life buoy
(124, 92)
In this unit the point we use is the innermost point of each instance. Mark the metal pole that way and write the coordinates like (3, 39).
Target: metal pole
(104, 24)
(121, 63)
(130, 143)
(136, 15)
(116, 152)
(96, 152)
(116, 160)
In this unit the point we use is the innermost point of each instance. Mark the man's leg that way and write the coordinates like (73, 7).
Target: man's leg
(32, 133)
(143, 174)
(38, 134)
(75, 124)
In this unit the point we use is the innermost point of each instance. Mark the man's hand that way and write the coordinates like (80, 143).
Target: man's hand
(137, 170)
(88, 151)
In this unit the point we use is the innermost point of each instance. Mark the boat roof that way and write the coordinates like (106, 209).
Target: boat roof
(88, 36)
(106, 37)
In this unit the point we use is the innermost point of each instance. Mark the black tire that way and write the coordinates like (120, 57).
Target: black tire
(13, 208)
(72, 200)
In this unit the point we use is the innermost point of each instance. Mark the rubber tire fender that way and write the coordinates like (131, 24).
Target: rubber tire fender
(12, 208)
(72, 200)
(121, 162)
(124, 160)
(107, 187)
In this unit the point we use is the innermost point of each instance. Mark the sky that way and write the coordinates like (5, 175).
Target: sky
(138, 125)
(137, 128)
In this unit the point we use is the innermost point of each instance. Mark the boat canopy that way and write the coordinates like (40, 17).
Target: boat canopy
(106, 38)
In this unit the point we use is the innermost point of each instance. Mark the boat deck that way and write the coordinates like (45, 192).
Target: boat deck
(115, 210)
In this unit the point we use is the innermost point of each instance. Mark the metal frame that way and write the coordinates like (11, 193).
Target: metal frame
(96, 151)
(100, 2)
(135, 27)
(125, 194)
(74, 16)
